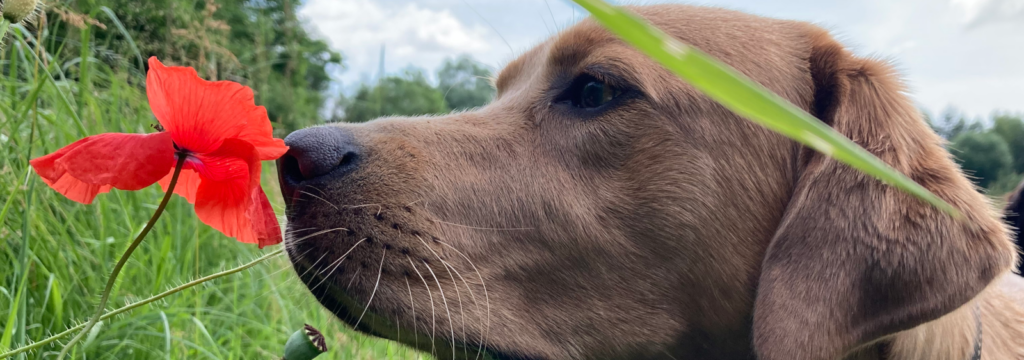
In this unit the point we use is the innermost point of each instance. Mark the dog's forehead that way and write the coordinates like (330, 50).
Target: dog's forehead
(752, 44)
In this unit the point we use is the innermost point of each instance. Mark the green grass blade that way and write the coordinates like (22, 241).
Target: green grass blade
(64, 99)
(749, 99)
(127, 36)
(57, 303)
(167, 335)
(12, 316)
(206, 335)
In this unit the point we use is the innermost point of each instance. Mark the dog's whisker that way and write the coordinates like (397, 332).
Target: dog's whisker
(275, 272)
(313, 265)
(318, 190)
(296, 231)
(297, 241)
(487, 299)
(412, 303)
(380, 207)
(431, 295)
(398, 328)
(480, 228)
(444, 301)
(339, 262)
(320, 198)
(458, 294)
(353, 279)
(476, 305)
(462, 310)
(330, 270)
(380, 271)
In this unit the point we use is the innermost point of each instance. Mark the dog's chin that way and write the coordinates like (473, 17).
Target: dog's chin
(351, 312)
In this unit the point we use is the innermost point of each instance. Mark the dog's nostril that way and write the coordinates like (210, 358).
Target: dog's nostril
(348, 159)
(319, 151)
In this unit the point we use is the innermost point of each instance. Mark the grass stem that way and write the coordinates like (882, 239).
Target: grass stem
(149, 300)
(124, 259)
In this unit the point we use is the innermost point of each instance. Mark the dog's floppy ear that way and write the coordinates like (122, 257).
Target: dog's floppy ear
(854, 259)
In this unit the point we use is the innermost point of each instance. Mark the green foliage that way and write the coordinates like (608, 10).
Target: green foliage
(983, 155)
(465, 83)
(1011, 129)
(951, 124)
(992, 155)
(259, 43)
(61, 252)
(408, 94)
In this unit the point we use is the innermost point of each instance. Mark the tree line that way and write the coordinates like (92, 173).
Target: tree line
(258, 43)
(462, 83)
(263, 45)
(990, 151)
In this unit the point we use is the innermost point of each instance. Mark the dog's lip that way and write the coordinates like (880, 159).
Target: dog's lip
(290, 188)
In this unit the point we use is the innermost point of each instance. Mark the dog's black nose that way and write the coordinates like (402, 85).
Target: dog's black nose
(318, 152)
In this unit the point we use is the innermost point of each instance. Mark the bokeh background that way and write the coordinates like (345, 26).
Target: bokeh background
(78, 69)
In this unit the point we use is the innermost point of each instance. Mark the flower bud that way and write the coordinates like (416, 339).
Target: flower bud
(17, 11)
(304, 344)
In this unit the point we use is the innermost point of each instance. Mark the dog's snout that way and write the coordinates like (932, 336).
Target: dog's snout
(321, 150)
(318, 152)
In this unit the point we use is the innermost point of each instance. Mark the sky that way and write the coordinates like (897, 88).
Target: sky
(966, 55)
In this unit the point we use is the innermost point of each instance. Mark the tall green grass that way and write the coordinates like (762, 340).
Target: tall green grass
(55, 254)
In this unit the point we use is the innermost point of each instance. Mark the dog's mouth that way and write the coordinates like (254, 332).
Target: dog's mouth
(355, 314)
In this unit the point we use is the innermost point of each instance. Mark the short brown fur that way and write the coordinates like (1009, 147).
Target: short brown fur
(664, 227)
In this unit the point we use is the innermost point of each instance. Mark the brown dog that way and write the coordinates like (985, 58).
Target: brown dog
(601, 208)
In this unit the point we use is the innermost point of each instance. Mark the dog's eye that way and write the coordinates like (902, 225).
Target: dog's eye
(588, 92)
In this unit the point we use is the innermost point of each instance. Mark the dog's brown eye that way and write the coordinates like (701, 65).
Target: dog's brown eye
(588, 92)
(595, 94)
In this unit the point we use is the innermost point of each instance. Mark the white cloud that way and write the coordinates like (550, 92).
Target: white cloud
(981, 12)
(411, 34)
(960, 53)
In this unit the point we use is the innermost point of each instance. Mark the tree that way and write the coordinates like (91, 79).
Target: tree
(257, 43)
(1011, 129)
(953, 123)
(408, 94)
(465, 83)
(983, 155)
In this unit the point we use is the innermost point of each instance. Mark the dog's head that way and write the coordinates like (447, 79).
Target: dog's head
(602, 208)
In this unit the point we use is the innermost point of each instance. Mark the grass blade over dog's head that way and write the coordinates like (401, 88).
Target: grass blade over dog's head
(749, 99)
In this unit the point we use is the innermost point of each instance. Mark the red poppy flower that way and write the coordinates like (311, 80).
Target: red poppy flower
(214, 124)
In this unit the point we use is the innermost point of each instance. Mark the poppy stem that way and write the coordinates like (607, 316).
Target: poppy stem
(134, 305)
(124, 258)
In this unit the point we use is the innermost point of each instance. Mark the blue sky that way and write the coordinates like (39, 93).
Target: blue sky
(966, 54)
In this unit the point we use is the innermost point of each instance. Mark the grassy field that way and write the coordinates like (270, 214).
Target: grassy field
(55, 254)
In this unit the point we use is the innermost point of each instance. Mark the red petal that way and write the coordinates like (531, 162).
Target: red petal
(261, 135)
(96, 163)
(223, 205)
(188, 184)
(229, 197)
(46, 165)
(125, 161)
(199, 114)
(77, 190)
(264, 221)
